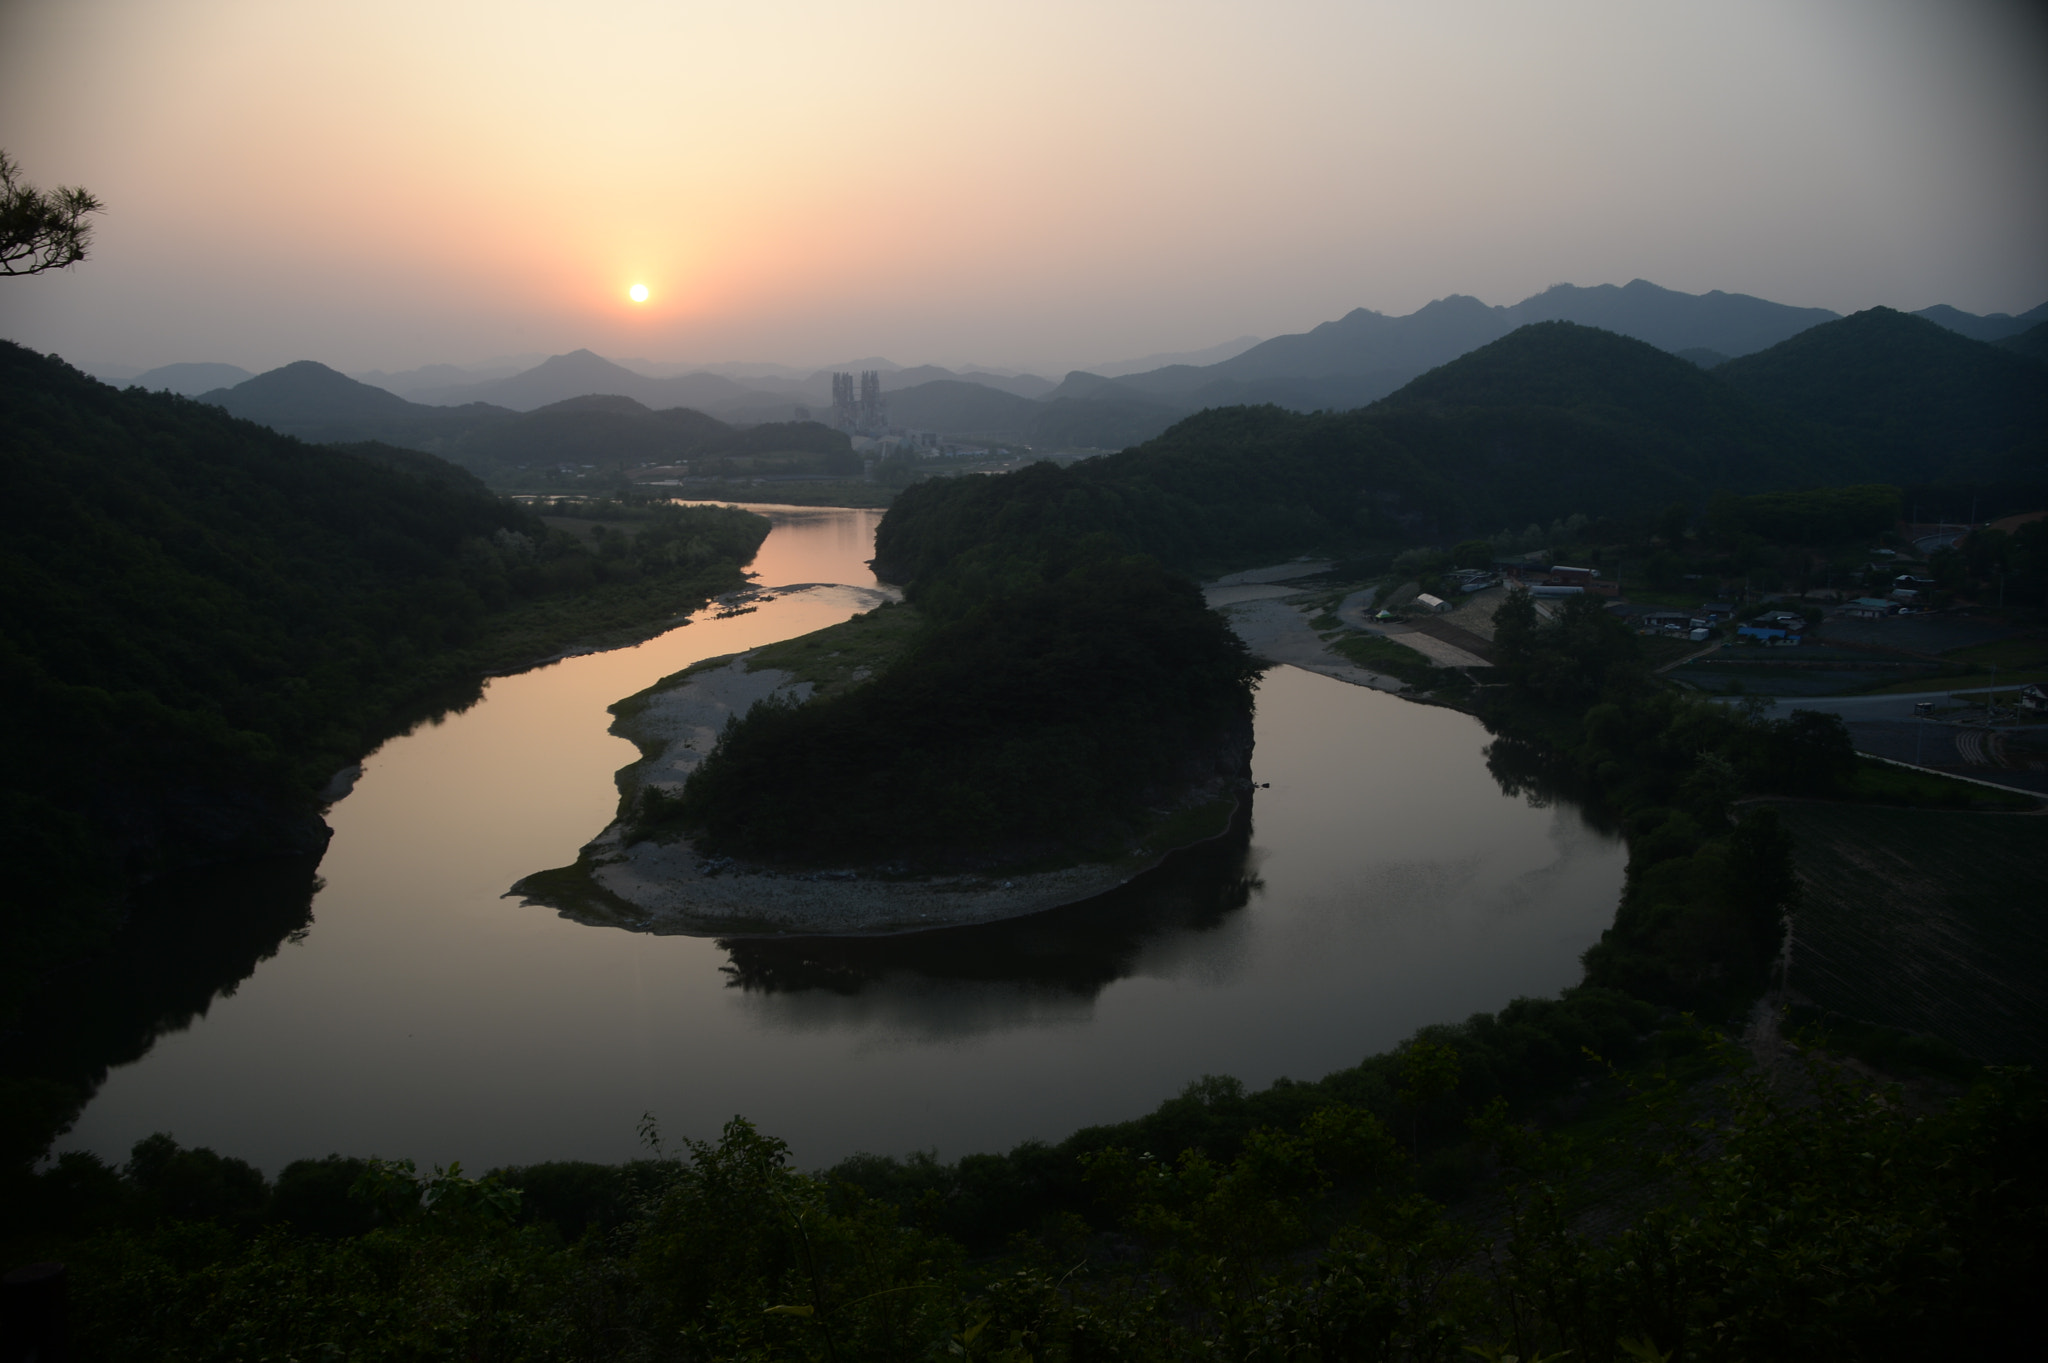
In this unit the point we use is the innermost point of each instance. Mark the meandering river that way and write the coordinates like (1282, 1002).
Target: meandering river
(1386, 882)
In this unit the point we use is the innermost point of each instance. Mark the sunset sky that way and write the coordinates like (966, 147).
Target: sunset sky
(390, 184)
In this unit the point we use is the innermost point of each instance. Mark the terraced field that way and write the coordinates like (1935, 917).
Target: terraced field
(1930, 921)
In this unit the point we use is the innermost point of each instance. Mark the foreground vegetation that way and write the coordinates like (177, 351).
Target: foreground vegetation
(1494, 1188)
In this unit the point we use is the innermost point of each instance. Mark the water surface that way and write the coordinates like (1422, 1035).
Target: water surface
(1383, 882)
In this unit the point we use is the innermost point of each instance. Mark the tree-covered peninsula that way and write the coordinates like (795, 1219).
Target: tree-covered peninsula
(202, 621)
(1050, 719)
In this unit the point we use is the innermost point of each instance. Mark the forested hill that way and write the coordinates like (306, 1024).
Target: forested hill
(1552, 420)
(201, 620)
(1640, 411)
(311, 401)
(1911, 399)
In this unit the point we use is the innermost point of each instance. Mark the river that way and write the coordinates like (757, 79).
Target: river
(1386, 882)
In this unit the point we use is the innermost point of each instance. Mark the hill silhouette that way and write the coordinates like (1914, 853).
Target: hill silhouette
(608, 431)
(1366, 355)
(958, 407)
(1991, 327)
(190, 380)
(583, 373)
(603, 429)
(1642, 416)
(1552, 420)
(2033, 342)
(1910, 398)
(313, 402)
(1578, 368)
(1730, 323)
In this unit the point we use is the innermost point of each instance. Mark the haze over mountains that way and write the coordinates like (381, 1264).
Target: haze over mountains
(1340, 365)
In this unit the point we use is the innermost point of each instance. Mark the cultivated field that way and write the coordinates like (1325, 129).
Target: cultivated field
(1927, 920)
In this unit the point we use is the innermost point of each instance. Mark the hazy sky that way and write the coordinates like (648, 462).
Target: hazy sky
(384, 184)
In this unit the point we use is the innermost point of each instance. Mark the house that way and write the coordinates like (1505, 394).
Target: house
(1869, 608)
(1585, 579)
(1473, 579)
(1766, 633)
(1434, 604)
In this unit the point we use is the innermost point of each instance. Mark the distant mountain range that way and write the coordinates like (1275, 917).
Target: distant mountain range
(315, 403)
(1341, 365)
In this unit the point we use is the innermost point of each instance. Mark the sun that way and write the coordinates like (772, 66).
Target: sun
(638, 293)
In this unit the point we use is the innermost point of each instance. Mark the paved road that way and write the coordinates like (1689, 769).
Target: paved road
(1884, 726)
(1864, 707)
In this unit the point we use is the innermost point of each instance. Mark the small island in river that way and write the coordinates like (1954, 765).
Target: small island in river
(881, 699)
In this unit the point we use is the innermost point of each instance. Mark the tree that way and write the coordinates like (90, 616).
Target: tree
(41, 229)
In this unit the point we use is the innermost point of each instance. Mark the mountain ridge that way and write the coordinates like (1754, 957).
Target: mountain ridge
(1339, 365)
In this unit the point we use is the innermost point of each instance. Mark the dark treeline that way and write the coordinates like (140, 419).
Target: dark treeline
(206, 620)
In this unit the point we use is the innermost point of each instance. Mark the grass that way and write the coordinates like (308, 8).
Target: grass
(1377, 653)
(1953, 681)
(2020, 662)
(2004, 653)
(842, 656)
(573, 890)
(1925, 921)
(834, 659)
(1658, 650)
(1884, 784)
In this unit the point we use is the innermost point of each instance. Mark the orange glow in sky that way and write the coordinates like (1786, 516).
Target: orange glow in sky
(393, 184)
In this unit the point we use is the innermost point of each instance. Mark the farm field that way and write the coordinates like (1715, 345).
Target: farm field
(1928, 921)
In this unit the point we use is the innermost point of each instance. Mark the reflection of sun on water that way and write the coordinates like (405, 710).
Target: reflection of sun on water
(638, 293)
